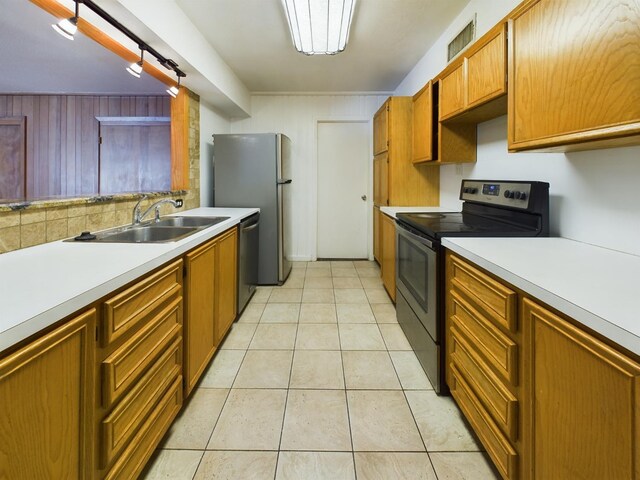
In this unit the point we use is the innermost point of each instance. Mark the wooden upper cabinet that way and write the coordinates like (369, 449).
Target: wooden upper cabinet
(583, 401)
(381, 129)
(473, 87)
(452, 99)
(422, 146)
(574, 72)
(381, 179)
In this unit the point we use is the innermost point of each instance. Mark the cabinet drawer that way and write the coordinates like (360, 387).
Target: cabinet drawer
(497, 349)
(124, 366)
(125, 420)
(129, 308)
(141, 447)
(498, 447)
(496, 301)
(495, 396)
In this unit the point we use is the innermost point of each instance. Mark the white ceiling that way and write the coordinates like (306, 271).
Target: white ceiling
(387, 39)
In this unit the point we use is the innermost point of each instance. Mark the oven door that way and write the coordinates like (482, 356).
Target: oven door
(416, 275)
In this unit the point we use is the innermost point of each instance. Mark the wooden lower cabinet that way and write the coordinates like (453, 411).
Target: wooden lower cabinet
(547, 399)
(582, 419)
(226, 292)
(376, 234)
(388, 253)
(46, 398)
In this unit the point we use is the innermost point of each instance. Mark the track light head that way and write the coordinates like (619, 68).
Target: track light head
(135, 69)
(174, 90)
(66, 27)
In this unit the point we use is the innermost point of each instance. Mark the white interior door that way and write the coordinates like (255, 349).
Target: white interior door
(343, 178)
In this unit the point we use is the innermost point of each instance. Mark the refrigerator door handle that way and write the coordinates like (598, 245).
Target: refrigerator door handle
(284, 181)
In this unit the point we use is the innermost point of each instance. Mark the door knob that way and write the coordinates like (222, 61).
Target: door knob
(364, 198)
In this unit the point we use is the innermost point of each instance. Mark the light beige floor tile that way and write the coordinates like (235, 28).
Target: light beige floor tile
(398, 466)
(317, 295)
(463, 466)
(315, 465)
(265, 369)
(237, 465)
(286, 295)
(222, 371)
(342, 272)
(365, 264)
(318, 313)
(376, 295)
(317, 337)
(262, 295)
(298, 265)
(250, 420)
(394, 337)
(239, 337)
(316, 420)
(317, 369)
(371, 282)
(354, 313)
(319, 265)
(318, 282)
(360, 337)
(347, 282)
(281, 313)
(440, 422)
(252, 313)
(382, 421)
(270, 336)
(318, 273)
(384, 312)
(369, 370)
(172, 465)
(410, 372)
(193, 427)
(341, 263)
(295, 280)
(368, 272)
(350, 295)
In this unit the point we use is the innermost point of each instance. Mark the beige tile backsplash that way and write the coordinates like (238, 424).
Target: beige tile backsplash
(39, 224)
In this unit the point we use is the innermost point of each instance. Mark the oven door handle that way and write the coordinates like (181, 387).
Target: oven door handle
(413, 236)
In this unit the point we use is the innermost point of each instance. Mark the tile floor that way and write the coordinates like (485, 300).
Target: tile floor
(316, 380)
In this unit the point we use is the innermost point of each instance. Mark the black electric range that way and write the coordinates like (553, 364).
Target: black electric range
(491, 208)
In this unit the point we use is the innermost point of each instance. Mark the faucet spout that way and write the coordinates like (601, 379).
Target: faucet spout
(138, 217)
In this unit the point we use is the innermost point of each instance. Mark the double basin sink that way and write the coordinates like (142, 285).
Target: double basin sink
(168, 229)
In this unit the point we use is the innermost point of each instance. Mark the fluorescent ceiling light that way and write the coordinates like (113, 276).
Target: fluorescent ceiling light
(319, 27)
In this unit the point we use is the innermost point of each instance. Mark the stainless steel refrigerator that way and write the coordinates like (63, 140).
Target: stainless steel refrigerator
(254, 170)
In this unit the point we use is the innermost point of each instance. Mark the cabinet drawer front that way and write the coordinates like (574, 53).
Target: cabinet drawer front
(130, 414)
(122, 368)
(498, 447)
(496, 301)
(129, 308)
(498, 350)
(134, 458)
(495, 396)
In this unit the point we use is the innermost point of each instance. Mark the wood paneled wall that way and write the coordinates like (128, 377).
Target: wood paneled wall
(62, 137)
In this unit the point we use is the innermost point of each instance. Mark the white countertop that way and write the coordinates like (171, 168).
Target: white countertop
(43, 284)
(595, 286)
(393, 211)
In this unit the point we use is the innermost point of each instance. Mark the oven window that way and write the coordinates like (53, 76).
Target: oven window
(413, 265)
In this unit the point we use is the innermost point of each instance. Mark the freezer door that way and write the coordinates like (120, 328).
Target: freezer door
(283, 171)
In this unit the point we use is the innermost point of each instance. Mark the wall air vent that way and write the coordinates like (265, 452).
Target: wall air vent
(464, 38)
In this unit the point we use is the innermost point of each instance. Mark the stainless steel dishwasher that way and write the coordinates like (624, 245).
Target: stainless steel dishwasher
(248, 259)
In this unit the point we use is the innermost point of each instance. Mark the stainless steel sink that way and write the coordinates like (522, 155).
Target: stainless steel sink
(146, 234)
(190, 221)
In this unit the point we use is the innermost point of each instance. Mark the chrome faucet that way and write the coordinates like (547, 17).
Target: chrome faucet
(137, 216)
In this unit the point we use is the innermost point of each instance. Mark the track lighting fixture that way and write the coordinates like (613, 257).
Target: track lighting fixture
(135, 69)
(173, 90)
(67, 27)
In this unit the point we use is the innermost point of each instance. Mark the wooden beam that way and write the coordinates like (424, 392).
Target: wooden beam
(94, 33)
(180, 141)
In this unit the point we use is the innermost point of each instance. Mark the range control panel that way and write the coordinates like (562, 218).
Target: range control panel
(507, 194)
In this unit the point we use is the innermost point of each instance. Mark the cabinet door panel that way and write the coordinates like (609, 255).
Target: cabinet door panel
(226, 282)
(452, 99)
(381, 130)
(46, 397)
(571, 84)
(422, 149)
(584, 401)
(376, 234)
(388, 234)
(487, 71)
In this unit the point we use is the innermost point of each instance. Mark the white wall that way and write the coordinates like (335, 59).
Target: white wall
(210, 122)
(297, 116)
(592, 193)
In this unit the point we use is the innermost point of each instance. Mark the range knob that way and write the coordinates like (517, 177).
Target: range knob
(523, 196)
(517, 195)
(507, 194)
(473, 190)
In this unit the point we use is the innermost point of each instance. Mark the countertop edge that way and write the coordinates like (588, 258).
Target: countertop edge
(613, 332)
(31, 326)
